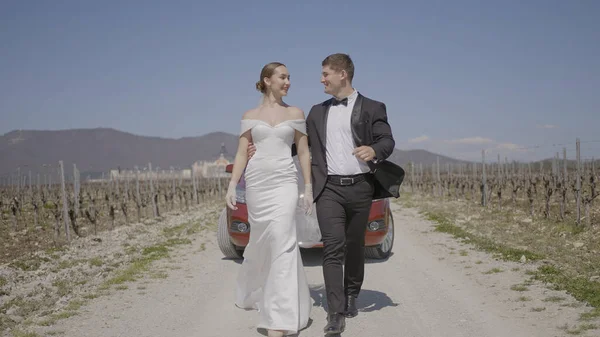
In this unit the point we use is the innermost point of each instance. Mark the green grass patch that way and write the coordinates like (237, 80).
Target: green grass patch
(96, 262)
(519, 287)
(172, 231)
(55, 317)
(142, 264)
(64, 264)
(580, 288)
(194, 228)
(504, 252)
(19, 333)
(493, 271)
(30, 264)
(580, 329)
(62, 287)
(554, 299)
(74, 305)
(178, 241)
(590, 316)
(90, 296)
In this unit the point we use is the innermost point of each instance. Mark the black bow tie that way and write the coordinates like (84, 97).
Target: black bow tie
(342, 101)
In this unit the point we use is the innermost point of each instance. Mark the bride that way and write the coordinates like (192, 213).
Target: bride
(272, 278)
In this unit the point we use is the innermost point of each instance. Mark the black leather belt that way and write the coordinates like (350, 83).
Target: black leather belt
(347, 180)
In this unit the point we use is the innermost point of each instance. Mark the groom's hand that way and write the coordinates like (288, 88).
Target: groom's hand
(251, 150)
(364, 153)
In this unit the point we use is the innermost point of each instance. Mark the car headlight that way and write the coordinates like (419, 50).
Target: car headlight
(375, 226)
(240, 226)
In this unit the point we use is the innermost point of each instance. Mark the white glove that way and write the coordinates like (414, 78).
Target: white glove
(307, 200)
(230, 197)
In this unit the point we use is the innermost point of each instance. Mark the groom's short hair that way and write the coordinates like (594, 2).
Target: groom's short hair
(339, 62)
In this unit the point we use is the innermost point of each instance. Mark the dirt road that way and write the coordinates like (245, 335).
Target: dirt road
(431, 286)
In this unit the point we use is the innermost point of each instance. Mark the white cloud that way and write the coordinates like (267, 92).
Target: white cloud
(547, 126)
(508, 146)
(470, 141)
(469, 148)
(420, 139)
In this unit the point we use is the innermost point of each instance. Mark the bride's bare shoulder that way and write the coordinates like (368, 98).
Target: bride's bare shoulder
(295, 112)
(250, 114)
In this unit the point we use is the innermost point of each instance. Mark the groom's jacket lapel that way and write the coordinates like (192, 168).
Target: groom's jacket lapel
(323, 125)
(355, 119)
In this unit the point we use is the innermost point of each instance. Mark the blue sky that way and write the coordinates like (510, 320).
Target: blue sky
(456, 76)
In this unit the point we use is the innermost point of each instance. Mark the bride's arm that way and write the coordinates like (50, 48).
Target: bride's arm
(301, 141)
(302, 149)
(241, 158)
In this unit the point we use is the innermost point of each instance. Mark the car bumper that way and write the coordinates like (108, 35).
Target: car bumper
(378, 213)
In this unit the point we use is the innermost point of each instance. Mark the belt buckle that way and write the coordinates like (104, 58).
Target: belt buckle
(349, 181)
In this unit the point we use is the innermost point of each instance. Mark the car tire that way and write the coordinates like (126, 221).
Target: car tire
(227, 248)
(383, 250)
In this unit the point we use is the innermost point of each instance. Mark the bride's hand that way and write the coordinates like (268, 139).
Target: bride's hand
(230, 197)
(307, 200)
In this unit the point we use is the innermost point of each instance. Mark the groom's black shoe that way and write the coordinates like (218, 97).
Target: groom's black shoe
(351, 310)
(336, 324)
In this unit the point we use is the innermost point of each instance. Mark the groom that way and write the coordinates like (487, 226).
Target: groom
(350, 140)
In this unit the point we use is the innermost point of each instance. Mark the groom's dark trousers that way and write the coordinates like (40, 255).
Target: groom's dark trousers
(343, 212)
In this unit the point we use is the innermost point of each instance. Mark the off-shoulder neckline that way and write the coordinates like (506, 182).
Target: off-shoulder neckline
(276, 125)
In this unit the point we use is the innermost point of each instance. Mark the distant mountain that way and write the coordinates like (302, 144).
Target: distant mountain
(102, 149)
(404, 157)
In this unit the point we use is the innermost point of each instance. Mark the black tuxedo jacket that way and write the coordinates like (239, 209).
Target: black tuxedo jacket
(370, 127)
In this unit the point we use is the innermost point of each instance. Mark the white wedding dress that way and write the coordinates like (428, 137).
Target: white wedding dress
(272, 278)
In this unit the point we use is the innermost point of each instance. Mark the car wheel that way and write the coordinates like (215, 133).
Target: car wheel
(227, 248)
(383, 250)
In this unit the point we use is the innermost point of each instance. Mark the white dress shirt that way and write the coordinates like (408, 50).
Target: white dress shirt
(339, 142)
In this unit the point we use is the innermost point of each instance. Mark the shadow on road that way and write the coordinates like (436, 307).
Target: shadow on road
(367, 301)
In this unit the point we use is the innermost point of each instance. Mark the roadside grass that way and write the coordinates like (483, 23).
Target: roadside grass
(567, 254)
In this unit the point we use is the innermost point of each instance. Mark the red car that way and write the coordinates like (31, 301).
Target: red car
(234, 229)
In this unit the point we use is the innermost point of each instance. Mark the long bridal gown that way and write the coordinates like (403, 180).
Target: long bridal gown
(272, 278)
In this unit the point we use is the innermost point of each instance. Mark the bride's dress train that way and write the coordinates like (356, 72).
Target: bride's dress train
(272, 278)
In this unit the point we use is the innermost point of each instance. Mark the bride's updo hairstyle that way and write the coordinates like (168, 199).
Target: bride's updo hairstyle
(267, 71)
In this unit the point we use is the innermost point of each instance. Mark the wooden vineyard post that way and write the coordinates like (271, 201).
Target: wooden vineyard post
(137, 193)
(578, 182)
(195, 187)
(483, 183)
(439, 182)
(76, 188)
(412, 177)
(64, 201)
(152, 190)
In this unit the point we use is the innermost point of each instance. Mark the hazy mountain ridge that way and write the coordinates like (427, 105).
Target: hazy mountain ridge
(102, 149)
